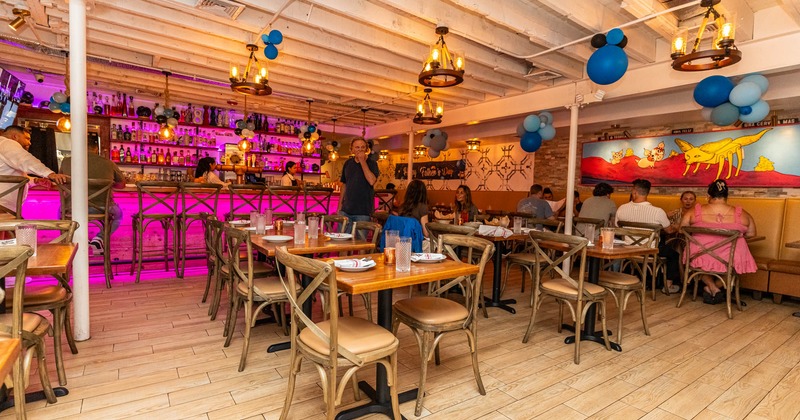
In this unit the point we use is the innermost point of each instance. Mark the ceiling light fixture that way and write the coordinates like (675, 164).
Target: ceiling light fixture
(420, 151)
(244, 144)
(383, 155)
(20, 14)
(333, 155)
(254, 80)
(473, 145)
(308, 136)
(722, 53)
(426, 113)
(165, 132)
(442, 68)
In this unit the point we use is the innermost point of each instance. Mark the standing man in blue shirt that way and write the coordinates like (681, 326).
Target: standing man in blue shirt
(359, 174)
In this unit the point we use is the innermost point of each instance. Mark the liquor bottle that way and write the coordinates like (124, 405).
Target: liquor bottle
(222, 115)
(113, 132)
(122, 154)
(160, 157)
(114, 154)
(106, 105)
(188, 114)
(181, 159)
(175, 158)
(131, 108)
(128, 156)
(212, 117)
(168, 158)
(134, 132)
(94, 103)
(142, 154)
(231, 120)
(153, 158)
(135, 156)
(127, 134)
(124, 104)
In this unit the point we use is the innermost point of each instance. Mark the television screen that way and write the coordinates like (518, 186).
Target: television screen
(11, 90)
(8, 115)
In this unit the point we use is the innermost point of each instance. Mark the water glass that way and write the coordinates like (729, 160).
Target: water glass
(301, 218)
(589, 233)
(391, 238)
(608, 237)
(299, 233)
(403, 255)
(313, 227)
(26, 235)
(268, 214)
(261, 224)
(517, 225)
(253, 218)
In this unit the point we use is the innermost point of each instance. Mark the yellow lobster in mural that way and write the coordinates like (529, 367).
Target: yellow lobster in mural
(717, 152)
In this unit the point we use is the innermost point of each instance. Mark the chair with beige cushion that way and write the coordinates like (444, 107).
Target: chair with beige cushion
(434, 316)
(335, 344)
(30, 327)
(247, 290)
(622, 284)
(11, 185)
(53, 297)
(436, 229)
(525, 258)
(660, 265)
(568, 289)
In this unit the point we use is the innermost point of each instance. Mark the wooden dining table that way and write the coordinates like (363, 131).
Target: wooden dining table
(382, 279)
(596, 256)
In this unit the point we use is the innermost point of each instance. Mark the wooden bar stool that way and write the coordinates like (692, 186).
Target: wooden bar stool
(284, 199)
(162, 208)
(250, 196)
(317, 200)
(195, 198)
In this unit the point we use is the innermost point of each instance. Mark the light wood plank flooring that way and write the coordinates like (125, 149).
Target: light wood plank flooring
(154, 354)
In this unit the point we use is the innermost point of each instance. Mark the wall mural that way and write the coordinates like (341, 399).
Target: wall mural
(751, 157)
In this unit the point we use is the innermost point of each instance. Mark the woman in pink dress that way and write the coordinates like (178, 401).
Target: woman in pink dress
(718, 214)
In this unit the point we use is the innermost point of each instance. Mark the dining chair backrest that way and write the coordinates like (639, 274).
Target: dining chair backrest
(385, 199)
(243, 199)
(99, 198)
(215, 243)
(317, 199)
(238, 243)
(65, 229)
(551, 225)
(721, 246)
(320, 272)
(334, 223)
(284, 199)
(655, 227)
(638, 237)
(158, 198)
(436, 229)
(579, 225)
(369, 230)
(198, 197)
(15, 258)
(478, 252)
(10, 185)
(205, 219)
(571, 246)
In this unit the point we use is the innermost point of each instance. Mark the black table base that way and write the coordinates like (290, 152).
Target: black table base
(374, 406)
(31, 397)
(501, 303)
(497, 276)
(588, 333)
(597, 337)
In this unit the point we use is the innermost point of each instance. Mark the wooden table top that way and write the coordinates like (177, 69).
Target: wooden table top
(9, 351)
(384, 276)
(51, 259)
(320, 245)
(795, 244)
(619, 251)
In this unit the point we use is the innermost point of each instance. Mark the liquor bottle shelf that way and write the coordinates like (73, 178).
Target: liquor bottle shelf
(170, 145)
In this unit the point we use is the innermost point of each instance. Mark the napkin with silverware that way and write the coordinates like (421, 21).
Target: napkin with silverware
(497, 231)
(354, 263)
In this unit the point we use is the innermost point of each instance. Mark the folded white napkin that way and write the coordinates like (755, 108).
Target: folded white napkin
(360, 263)
(486, 230)
(8, 242)
(426, 256)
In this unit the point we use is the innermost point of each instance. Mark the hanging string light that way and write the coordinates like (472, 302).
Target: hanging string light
(64, 124)
(244, 143)
(166, 132)
(333, 155)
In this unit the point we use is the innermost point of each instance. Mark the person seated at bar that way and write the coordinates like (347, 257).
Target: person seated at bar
(688, 200)
(465, 209)
(600, 205)
(100, 167)
(288, 179)
(642, 211)
(718, 214)
(205, 172)
(415, 204)
(16, 161)
(535, 205)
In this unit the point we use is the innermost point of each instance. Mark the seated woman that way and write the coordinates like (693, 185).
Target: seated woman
(288, 179)
(720, 215)
(464, 207)
(688, 200)
(415, 204)
(205, 172)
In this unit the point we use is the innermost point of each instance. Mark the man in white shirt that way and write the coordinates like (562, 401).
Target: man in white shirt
(641, 211)
(16, 161)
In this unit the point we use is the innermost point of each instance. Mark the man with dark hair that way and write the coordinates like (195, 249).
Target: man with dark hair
(641, 211)
(600, 205)
(535, 205)
(15, 160)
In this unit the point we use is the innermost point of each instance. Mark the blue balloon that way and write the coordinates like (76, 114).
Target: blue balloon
(531, 123)
(426, 140)
(438, 143)
(520, 130)
(312, 128)
(745, 93)
(547, 132)
(265, 38)
(745, 110)
(760, 110)
(433, 153)
(607, 65)
(271, 51)
(713, 91)
(531, 142)
(725, 114)
(614, 36)
(758, 79)
(275, 37)
(65, 107)
(546, 117)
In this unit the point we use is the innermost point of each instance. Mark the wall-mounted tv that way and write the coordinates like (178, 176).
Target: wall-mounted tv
(11, 90)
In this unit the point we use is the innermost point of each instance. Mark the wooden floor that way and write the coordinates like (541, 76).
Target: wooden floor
(154, 354)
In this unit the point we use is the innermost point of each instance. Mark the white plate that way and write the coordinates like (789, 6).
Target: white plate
(339, 236)
(427, 257)
(239, 222)
(353, 265)
(253, 228)
(356, 269)
(277, 238)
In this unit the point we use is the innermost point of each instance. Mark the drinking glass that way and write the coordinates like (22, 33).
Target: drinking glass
(299, 233)
(26, 235)
(313, 227)
(403, 255)
(608, 237)
(253, 218)
(517, 225)
(268, 214)
(261, 224)
(301, 218)
(589, 233)
(391, 238)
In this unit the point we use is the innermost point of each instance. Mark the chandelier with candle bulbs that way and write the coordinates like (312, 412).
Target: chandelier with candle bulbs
(427, 111)
(721, 53)
(253, 80)
(442, 67)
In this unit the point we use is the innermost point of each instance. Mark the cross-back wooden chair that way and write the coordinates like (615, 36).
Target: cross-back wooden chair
(55, 298)
(211, 255)
(317, 199)
(247, 290)
(434, 316)
(243, 199)
(622, 284)
(10, 185)
(334, 344)
(158, 203)
(385, 199)
(660, 266)
(579, 225)
(98, 207)
(30, 327)
(720, 246)
(436, 229)
(196, 198)
(334, 223)
(524, 257)
(568, 288)
(283, 198)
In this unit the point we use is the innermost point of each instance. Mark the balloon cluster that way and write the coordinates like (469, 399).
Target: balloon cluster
(535, 128)
(59, 103)
(167, 118)
(436, 140)
(609, 63)
(724, 103)
(244, 129)
(270, 41)
(309, 132)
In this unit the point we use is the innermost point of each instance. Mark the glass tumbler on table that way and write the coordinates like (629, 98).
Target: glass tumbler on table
(403, 255)
(589, 233)
(391, 238)
(313, 227)
(517, 225)
(268, 215)
(301, 218)
(607, 235)
(26, 235)
(299, 233)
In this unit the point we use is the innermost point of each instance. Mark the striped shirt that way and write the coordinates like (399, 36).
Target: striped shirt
(643, 212)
